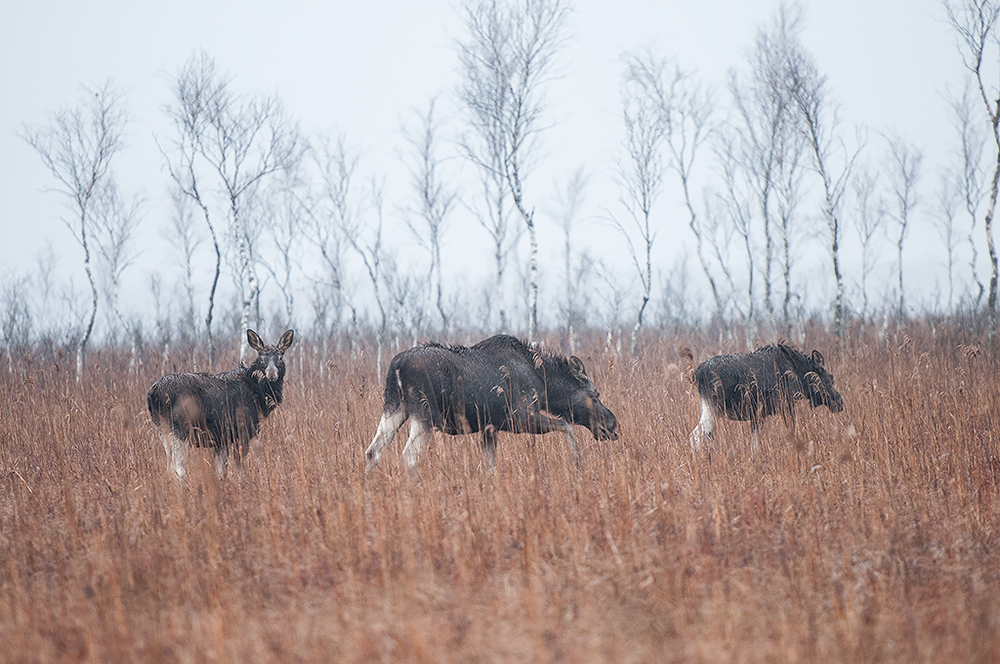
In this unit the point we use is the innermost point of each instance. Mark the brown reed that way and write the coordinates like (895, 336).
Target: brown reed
(869, 535)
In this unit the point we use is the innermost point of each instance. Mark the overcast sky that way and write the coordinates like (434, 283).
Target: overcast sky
(362, 67)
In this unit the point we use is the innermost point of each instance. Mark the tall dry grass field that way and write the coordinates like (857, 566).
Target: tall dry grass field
(869, 535)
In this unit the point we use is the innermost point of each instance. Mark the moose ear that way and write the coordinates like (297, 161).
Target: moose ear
(255, 341)
(576, 368)
(817, 357)
(286, 340)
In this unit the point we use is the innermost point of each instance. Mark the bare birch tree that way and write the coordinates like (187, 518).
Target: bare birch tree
(183, 236)
(765, 118)
(869, 223)
(247, 140)
(787, 198)
(569, 200)
(946, 224)
(284, 212)
(640, 172)
(484, 146)
(366, 238)
(235, 142)
(115, 220)
(903, 164)
(675, 299)
(738, 202)
(715, 230)
(161, 314)
(197, 89)
(45, 261)
(975, 21)
(832, 160)
(15, 317)
(406, 299)
(435, 202)
(506, 60)
(77, 147)
(329, 208)
(492, 210)
(244, 260)
(688, 128)
(970, 175)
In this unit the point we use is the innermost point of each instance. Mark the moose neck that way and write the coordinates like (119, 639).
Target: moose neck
(267, 393)
(558, 384)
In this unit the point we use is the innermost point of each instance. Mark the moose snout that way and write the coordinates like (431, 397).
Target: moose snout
(271, 371)
(607, 429)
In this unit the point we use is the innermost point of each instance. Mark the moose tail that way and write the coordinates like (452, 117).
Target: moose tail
(393, 389)
(158, 403)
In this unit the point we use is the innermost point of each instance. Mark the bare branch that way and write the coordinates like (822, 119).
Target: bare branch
(646, 108)
(435, 200)
(77, 147)
(975, 22)
(903, 169)
(506, 60)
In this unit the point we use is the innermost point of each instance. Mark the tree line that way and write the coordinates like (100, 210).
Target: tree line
(764, 168)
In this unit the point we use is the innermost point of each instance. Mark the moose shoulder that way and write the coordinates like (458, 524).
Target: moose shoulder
(220, 411)
(752, 386)
(500, 384)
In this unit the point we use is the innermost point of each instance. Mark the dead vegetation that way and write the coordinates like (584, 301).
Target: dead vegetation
(870, 535)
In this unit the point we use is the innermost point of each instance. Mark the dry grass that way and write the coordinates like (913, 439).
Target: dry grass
(871, 535)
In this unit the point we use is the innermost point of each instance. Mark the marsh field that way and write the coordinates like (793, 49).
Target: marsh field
(866, 535)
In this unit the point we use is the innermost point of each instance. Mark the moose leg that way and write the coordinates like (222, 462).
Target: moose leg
(789, 415)
(706, 426)
(240, 448)
(168, 445)
(490, 446)
(541, 423)
(754, 440)
(387, 428)
(176, 449)
(420, 433)
(221, 460)
(571, 439)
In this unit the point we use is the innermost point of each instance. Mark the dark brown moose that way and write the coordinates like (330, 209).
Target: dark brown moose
(218, 411)
(500, 384)
(753, 386)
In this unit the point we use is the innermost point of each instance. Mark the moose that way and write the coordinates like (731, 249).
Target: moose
(218, 411)
(752, 386)
(499, 384)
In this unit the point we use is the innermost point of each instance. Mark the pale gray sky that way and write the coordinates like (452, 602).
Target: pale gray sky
(361, 67)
